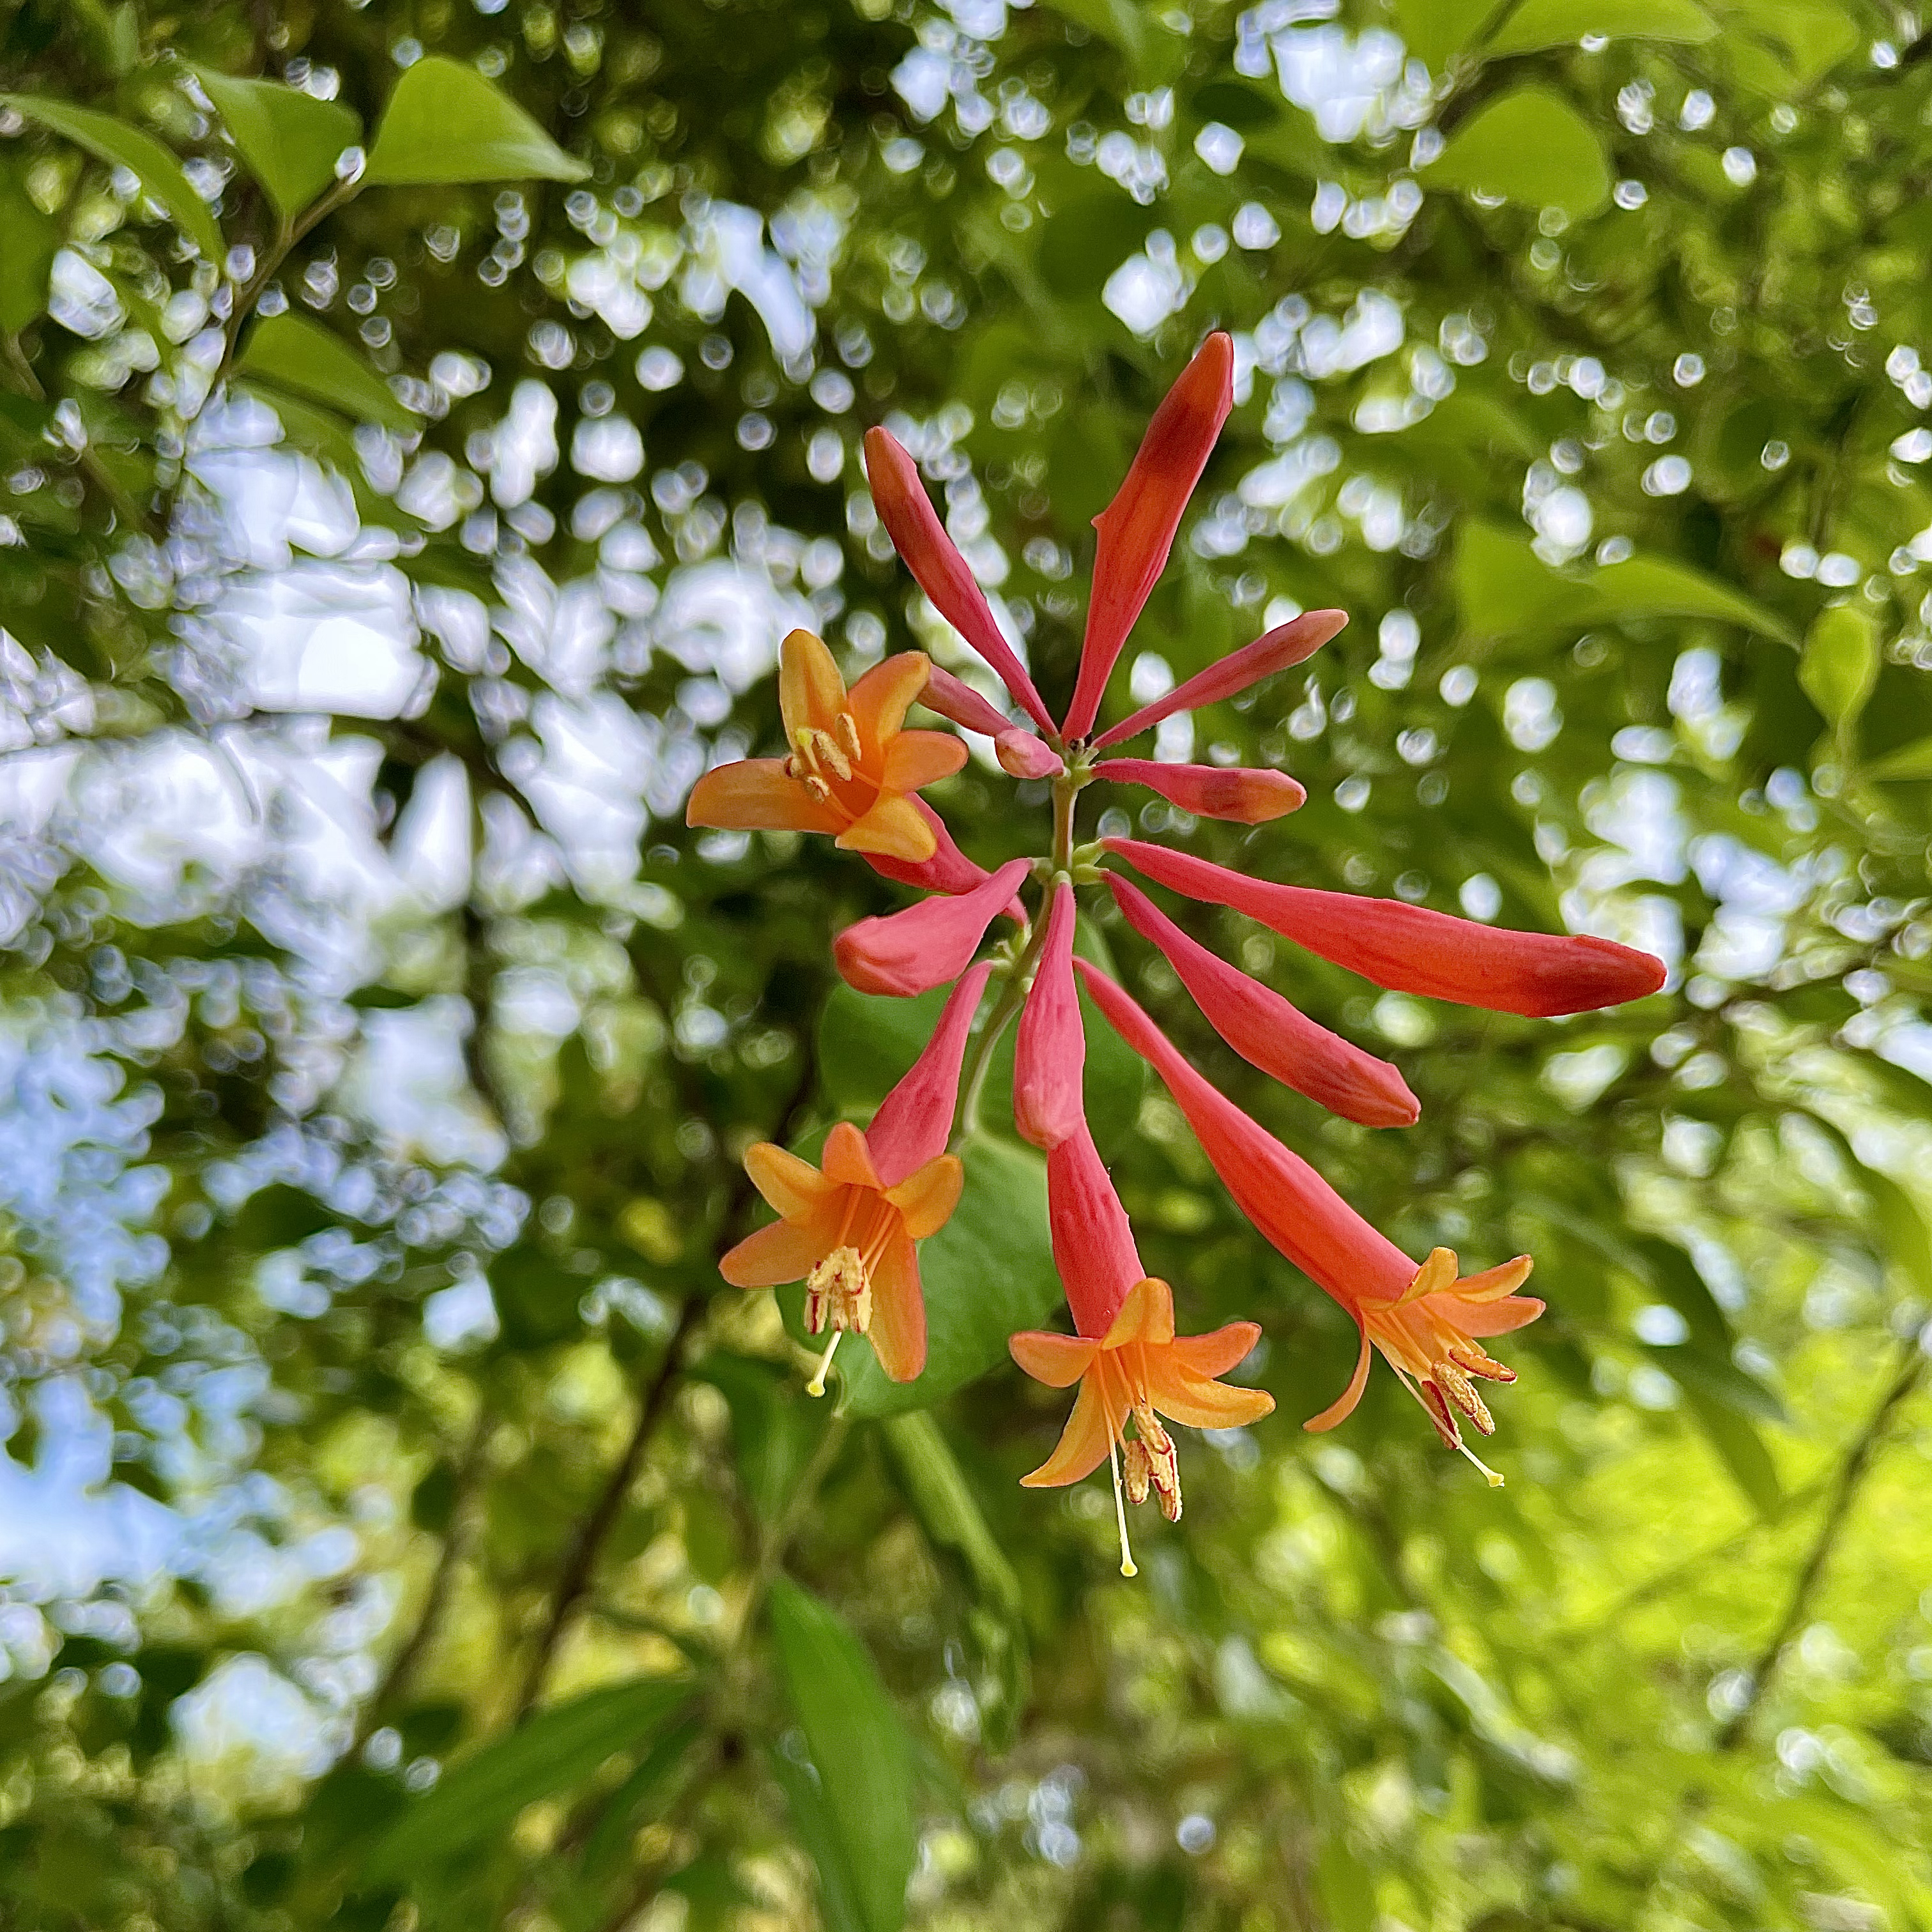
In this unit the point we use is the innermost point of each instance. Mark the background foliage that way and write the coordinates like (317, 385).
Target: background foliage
(401, 1525)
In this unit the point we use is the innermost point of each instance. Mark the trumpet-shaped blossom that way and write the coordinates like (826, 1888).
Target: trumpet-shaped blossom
(1425, 1321)
(1270, 1032)
(852, 767)
(1137, 528)
(848, 1228)
(933, 559)
(1414, 950)
(911, 952)
(1140, 1370)
(1050, 1053)
(1211, 791)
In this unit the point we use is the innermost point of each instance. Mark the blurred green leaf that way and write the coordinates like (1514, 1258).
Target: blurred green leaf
(289, 139)
(1840, 665)
(866, 1832)
(445, 123)
(1533, 24)
(1531, 147)
(1741, 1449)
(289, 352)
(29, 241)
(478, 1799)
(112, 140)
(773, 1433)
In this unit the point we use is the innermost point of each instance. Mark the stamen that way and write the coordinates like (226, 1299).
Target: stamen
(804, 739)
(820, 790)
(827, 748)
(1127, 1568)
(848, 736)
(1471, 1359)
(1135, 1468)
(1495, 1481)
(1461, 1392)
(816, 1384)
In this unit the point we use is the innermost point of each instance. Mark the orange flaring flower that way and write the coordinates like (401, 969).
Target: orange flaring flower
(1130, 1364)
(848, 1228)
(853, 767)
(1139, 1370)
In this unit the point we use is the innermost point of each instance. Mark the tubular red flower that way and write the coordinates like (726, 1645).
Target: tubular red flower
(1423, 1320)
(1092, 1243)
(1247, 796)
(1415, 950)
(949, 870)
(1025, 756)
(1274, 650)
(1270, 1032)
(926, 945)
(953, 697)
(1137, 528)
(915, 1119)
(934, 560)
(1050, 1053)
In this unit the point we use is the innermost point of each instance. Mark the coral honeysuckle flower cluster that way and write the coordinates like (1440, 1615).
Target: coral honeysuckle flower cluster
(850, 1227)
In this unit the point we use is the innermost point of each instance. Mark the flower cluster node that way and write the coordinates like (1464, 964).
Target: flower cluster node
(850, 1228)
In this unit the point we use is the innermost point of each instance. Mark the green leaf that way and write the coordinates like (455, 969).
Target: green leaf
(869, 1835)
(817, 1831)
(290, 140)
(933, 1483)
(112, 140)
(987, 1272)
(1504, 587)
(1740, 1448)
(1912, 761)
(1537, 24)
(1432, 30)
(445, 123)
(773, 1433)
(1531, 147)
(1840, 665)
(479, 1799)
(291, 352)
(29, 242)
(650, 1785)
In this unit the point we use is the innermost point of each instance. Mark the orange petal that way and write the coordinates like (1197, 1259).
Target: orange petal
(1147, 1314)
(1203, 1404)
(1058, 1360)
(792, 1187)
(1498, 1318)
(755, 795)
(916, 758)
(846, 1158)
(892, 826)
(1436, 1273)
(927, 1197)
(897, 1332)
(786, 1251)
(1082, 1446)
(1492, 1284)
(812, 693)
(1215, 1355)
(879, 700)
(1343, 1406)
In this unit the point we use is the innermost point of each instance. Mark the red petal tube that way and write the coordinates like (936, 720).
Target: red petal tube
(953, 697)
(927, 944)
(1093, 1244)
(1269, 1032)
(1415, 950)
(1050, 1052)
(933, 559)
(915, 1119)
(1274, 650)
(1209, 791)
(1137, 528)
(1293, 1207)
(1027, 757)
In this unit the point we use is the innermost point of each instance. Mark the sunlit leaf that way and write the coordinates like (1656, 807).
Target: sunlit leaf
(445, 123)
(289, 139)
(860, 1752)
(291, 352)
(1536, 24)
(1531, 147)
(111, 140)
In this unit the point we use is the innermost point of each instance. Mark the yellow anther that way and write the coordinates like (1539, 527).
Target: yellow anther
(1135, 1465)
(827, 746)
(848, 736)
(820, 790)
(1461, 1392)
